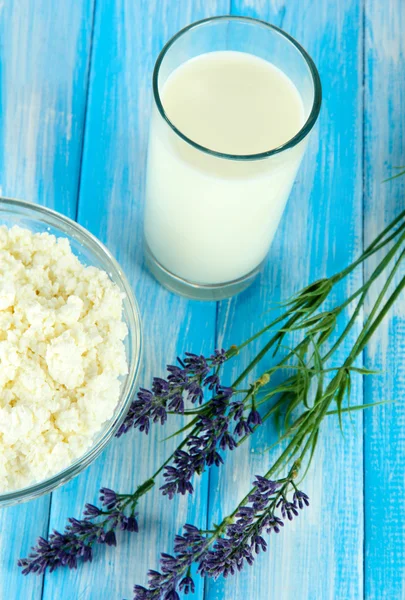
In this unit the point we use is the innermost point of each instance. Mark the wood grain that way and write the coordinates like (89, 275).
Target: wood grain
(44, 68)
(127, 39)
(74, 103)
(319, 556)
(385, 427)
(44, 53)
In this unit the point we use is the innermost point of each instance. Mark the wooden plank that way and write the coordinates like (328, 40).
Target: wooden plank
(320, 554)
(128, 36)
(44, 55)
(44, 66)
(385, 427)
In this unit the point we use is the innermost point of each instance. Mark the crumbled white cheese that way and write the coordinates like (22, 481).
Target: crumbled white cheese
(61, 355)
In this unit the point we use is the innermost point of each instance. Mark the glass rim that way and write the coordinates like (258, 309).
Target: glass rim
(74, 229)
(300, 135)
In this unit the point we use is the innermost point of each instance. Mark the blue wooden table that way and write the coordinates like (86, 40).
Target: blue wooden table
(75, 101)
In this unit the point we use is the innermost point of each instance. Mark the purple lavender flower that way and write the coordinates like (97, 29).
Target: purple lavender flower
(186, 585)
(128, 523)
(219, 357)
(243, 538)
(80, 535)
(274, 524)
(254, 418)
(288, 509)
(175, 570)
(212, 432)
(235, 542)
(264, 489)
(92, 511)
(301, 499)
(108, 498)
(63, 549)
(186, 380)
(242, 428)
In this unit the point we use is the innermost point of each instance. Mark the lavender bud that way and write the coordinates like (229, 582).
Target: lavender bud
(254, 418)
(108, 498)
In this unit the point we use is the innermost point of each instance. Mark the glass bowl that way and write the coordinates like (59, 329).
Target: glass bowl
(90, 251)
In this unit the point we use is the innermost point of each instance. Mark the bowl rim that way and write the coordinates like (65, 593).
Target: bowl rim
(84, 236)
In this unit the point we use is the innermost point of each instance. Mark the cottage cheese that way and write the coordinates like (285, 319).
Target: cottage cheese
(61, 355)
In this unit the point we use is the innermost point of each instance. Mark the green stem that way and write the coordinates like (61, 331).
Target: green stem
(310, 425)
(263, 352)
(365, 288)
(366, 336)
(374, 246)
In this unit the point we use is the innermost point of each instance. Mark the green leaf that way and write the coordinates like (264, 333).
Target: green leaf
(364, 371)
(339, 399)
(311, 454)
(402, 172)
(295, 401)
(179, 431)
(349, 391)
(360, 407)
(318, 363)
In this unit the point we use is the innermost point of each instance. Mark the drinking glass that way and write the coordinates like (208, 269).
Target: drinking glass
(210, 217)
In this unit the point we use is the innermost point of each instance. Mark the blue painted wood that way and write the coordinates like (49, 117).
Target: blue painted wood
(385, 428)
(44, 54)
(44, 62)
(127, 38)
(318, 556)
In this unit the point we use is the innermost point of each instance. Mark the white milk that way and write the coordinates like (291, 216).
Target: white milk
(210, 219)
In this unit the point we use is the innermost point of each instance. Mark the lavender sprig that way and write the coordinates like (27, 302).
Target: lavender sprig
(99, 526)
(292, 394)
(186, 380)
(118, 510)
(232, 544)
(212, 433)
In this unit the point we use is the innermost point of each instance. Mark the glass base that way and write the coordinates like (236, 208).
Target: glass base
(196, 291)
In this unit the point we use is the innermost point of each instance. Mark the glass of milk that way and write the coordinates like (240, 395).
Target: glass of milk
(234, 102)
